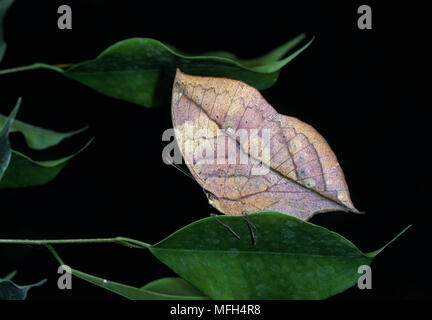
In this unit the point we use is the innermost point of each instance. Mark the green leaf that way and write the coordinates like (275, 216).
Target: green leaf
(4, 6)
(163, 289)
(126, 291)
(11, 291)
(130, 292)
(141, 70)
(38, 138)
(5, 148)
(19, 170)
(135, 69)
(157, 290)
(175, 287)
(25, 172)
(292, 259)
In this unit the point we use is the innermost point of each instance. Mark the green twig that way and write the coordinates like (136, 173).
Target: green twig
(34, 66)
(63, 65)
(55, 254)
(120, 240)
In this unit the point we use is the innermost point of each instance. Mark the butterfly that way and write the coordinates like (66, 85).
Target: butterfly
(248, 157)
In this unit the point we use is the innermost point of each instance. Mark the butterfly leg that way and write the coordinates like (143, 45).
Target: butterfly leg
(225, 225)
(251, 227)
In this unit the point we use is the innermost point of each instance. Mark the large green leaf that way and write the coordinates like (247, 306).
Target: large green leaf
(5, 148)
(11, 291)
(135, 69)
(38, 138)
(4, 5)
(141, 70)
(25, 172)
(292, 259)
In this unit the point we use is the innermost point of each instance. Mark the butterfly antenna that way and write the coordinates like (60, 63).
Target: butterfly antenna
(187, 174)
(169, 160)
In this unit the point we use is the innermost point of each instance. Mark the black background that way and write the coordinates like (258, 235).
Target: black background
(359, 88)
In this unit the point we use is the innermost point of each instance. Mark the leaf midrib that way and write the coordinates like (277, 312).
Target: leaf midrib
(361, 255)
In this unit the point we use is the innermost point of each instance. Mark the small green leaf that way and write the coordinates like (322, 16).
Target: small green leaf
(175, 287)
(163, 289)
(5, 148)
(130, 292)
(4, 6)
(133, 293)
(38, 138)
(134, 69)
(25, 172)
(126, 291)
(292, 259)
(19, 170)
(11, 291)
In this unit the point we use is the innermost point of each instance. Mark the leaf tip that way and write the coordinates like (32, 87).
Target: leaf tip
(373, 254)
(16, 109)
(5, 130)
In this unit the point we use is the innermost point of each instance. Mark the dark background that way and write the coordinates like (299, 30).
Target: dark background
(359, 88)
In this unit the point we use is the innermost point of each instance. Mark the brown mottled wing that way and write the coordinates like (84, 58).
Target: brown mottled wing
(249, 157)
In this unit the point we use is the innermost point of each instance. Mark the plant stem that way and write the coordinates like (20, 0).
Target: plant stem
(33, 66)
(62, 65)
(120, 240)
